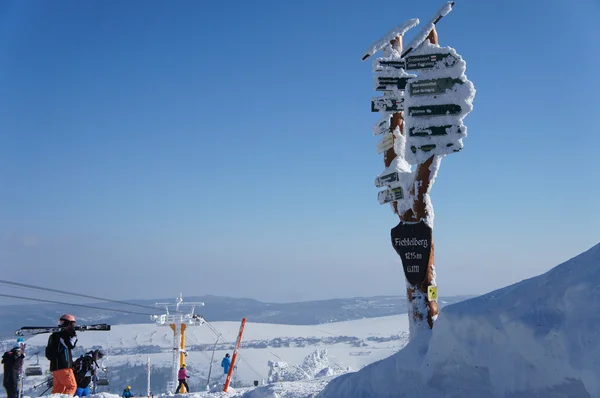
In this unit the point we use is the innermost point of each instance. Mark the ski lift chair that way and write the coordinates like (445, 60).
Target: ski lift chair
(102, 381)
(34, 370)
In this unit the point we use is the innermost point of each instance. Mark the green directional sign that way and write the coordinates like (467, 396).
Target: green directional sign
(387, 179)
(432, 86)
(389, 83)
(387, 104)
(434, 110)
(428, 61)
(396, 64)
(430, 147)
(433, 130)
(424, 148)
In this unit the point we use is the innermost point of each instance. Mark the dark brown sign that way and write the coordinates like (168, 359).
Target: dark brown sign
(432, 130)
(391, 83)
(428, 61)
(412, 242)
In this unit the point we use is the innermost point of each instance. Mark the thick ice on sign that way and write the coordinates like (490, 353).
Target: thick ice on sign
(435, 104)
(399, 30)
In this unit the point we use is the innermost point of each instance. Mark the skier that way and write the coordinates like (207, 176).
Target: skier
(181, 377)
(58, 352)
(86, 367)
(127, 392)
(225, 364)
(12, 361)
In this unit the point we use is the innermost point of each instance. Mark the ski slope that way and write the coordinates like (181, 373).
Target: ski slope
(536, 338)
(350, 344)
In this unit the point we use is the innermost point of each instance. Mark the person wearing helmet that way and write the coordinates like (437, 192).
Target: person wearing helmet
(59, 353)
(182, 375)
(12, 361)
(127, 392)
(85, 368)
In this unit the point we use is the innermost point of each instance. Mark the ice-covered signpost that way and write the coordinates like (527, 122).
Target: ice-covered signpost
(426, 96)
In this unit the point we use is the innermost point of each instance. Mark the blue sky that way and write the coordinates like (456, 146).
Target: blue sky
(226, 148)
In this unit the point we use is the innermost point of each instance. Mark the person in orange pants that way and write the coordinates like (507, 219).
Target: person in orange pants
(58, 351)
(64, 382)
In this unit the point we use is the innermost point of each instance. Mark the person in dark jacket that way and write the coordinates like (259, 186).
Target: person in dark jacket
(58, 352)
(86, 367)
(12, 361)
(182, 377)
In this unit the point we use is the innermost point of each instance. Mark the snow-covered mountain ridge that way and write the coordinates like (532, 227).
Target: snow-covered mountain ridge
(216, 308)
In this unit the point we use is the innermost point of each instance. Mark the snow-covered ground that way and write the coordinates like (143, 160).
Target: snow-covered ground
(350, 345)
(536, 338)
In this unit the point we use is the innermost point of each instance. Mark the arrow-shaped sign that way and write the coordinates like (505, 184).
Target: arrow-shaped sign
(387, 179)
(385, 143)
(387, 104)
(390, 195)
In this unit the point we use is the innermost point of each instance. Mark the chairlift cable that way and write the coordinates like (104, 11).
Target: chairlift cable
(72, 304)
(23, 285)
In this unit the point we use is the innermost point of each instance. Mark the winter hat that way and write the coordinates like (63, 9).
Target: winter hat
(16, 348)
(68, 318)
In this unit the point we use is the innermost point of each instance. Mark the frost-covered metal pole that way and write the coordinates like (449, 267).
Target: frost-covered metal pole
(148, 370)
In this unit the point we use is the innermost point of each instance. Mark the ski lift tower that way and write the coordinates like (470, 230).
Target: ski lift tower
(178, 320)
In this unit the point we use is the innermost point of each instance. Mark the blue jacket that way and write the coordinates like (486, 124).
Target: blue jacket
(225, 364)
(127, 394)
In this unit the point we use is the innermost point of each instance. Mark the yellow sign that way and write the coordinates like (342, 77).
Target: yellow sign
(432, 293)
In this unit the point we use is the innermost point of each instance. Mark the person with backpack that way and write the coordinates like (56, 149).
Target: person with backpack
(181, 377)
(59, 353)
(12, 361)
(85, 368)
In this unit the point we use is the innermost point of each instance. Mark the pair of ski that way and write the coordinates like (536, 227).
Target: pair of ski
(33, 330)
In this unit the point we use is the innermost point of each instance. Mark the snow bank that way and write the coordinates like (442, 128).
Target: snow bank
(536, 338)
(99, 395)
(299, 389)
(315, 365)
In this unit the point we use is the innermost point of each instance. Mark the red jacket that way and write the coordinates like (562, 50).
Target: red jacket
(182, 375)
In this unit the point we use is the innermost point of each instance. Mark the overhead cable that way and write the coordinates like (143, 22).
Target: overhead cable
(23, 285)
(74, 305)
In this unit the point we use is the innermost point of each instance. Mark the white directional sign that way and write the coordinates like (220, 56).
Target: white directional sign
(386, 142)
(383, 125)
(390, 195)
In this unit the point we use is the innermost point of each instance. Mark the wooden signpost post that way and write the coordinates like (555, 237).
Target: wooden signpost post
(421, 105)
